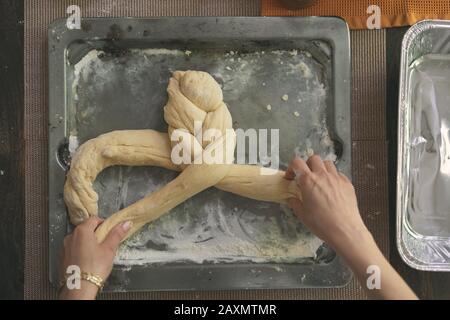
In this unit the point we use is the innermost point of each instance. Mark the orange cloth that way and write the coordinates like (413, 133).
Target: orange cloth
(394, 13)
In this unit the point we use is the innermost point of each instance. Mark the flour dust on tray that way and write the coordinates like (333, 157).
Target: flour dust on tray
(218, 233)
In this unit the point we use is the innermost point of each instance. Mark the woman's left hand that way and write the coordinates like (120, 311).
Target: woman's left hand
(82, 250)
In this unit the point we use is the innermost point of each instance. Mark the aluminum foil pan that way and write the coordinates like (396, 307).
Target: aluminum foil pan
(423, 181)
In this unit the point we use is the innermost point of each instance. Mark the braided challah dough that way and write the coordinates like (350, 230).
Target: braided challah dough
(194, 96)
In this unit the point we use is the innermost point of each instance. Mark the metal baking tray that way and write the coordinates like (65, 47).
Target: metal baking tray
(423, 181)
(113, 73)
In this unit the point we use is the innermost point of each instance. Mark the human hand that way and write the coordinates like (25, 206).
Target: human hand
(328, 207)
(82, 249)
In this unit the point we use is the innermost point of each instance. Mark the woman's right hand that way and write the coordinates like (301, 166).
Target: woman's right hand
(329, 206)
(329, 209)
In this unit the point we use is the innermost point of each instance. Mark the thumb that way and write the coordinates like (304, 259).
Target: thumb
(297, 206)
(117, 234)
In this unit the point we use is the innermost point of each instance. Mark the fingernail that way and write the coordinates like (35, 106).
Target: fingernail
(297, 174)
(127, 225)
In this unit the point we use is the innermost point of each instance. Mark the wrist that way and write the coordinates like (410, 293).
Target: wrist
(354, 241)
(87, 291)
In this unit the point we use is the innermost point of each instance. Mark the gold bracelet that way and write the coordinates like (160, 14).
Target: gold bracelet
(92, 278)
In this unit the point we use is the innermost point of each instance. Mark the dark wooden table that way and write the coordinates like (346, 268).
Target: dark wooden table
(11, 150)
(426, 284)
